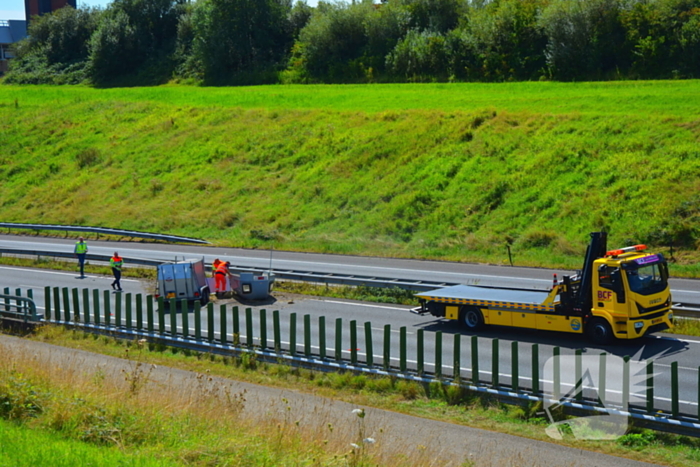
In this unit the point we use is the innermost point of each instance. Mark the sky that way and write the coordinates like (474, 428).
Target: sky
(14, 9)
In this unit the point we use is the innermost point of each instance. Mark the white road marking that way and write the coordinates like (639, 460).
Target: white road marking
(59, 273)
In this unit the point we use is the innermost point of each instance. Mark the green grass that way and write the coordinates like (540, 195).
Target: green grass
(145, 419)
(452, 172)
(26, 447)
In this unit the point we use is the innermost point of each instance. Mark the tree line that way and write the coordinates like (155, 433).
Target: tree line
(241, 42)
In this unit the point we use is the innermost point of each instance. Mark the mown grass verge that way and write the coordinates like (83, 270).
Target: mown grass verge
(456, 172)
(131, 414)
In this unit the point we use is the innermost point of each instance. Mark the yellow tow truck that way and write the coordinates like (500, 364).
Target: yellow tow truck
(621, 294)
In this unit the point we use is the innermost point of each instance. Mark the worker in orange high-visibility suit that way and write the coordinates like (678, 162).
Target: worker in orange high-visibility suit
(220, 275)
(215, 265)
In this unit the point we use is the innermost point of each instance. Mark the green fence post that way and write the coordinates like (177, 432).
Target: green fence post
(86, 305)
(674, 389)
(118, 309)
(602, 375)
(185, 318)
(514, 366)
(139, 312)
(475, 360)
(30, 293)
(173, 317)
(494, 362)
(625, 382)
(197, 317)
(556, 377)
(402, 349)
(47, 303)
(578, 375)
(161, 315)
(6, 291)
(457, 358)
(150, 324)
(387, 347)
(698, 399)
(322, 337)
(263, 328)
(249, 327)
(369, 351)
(438, 354)
(108, 307)
(96, 305)
(210, 322)
(66, 304)
(236, 327)
(293, 334)
(128, 311)
(353, 342)
(650, 387)
(307, 335)
(420, 352)
(57, 303)
(222, 325)
(535, 368)
(76, 304)
(276, 330)
(338, 339)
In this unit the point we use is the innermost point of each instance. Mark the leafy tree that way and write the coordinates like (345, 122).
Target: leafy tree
(420, 56)
(664, 37)
(506, 40)
(135, 39)
(585, 38)
(55, 51)
(332, 46)
(240, 41)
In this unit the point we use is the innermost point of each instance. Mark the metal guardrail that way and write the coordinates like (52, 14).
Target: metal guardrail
(196, 330)
(14, 306)
(282, 274)
(103, 231)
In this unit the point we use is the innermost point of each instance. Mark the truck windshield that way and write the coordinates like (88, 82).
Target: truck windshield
(647, 279)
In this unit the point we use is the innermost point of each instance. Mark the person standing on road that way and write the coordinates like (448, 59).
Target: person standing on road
(80, 251)
(220, 275)
(116, 262)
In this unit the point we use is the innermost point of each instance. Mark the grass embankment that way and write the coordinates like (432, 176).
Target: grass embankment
(202, 424)
(430, 171)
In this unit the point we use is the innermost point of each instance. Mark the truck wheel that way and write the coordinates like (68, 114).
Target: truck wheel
(599, 331)
(472, 318)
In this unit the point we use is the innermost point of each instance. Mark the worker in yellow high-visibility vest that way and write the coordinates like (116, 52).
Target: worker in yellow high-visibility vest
(81, 250)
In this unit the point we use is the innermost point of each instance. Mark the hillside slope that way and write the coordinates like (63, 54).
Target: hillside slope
(440, 171)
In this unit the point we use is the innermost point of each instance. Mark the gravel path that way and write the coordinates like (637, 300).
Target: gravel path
(428, 442)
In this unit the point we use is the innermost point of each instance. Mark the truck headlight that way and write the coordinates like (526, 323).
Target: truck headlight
(638, 325)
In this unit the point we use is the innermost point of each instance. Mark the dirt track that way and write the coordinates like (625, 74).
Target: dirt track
(442, 443)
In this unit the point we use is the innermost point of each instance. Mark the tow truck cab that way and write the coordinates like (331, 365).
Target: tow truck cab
(631, 292)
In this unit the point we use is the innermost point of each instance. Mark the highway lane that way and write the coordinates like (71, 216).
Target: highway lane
(686, 351)
(683, 290)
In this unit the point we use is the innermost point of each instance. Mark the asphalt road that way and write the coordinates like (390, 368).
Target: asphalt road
(663, 348)
(683, 290)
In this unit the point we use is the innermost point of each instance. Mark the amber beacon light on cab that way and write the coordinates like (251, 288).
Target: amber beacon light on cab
(621, 294)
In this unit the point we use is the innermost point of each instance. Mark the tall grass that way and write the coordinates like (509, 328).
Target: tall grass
(432, 171)
(196, 421)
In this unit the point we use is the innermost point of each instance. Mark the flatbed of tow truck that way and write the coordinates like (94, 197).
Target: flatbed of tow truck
(496, 298)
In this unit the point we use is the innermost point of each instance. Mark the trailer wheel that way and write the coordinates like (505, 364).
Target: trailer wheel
(599, 331)
(472, 318)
